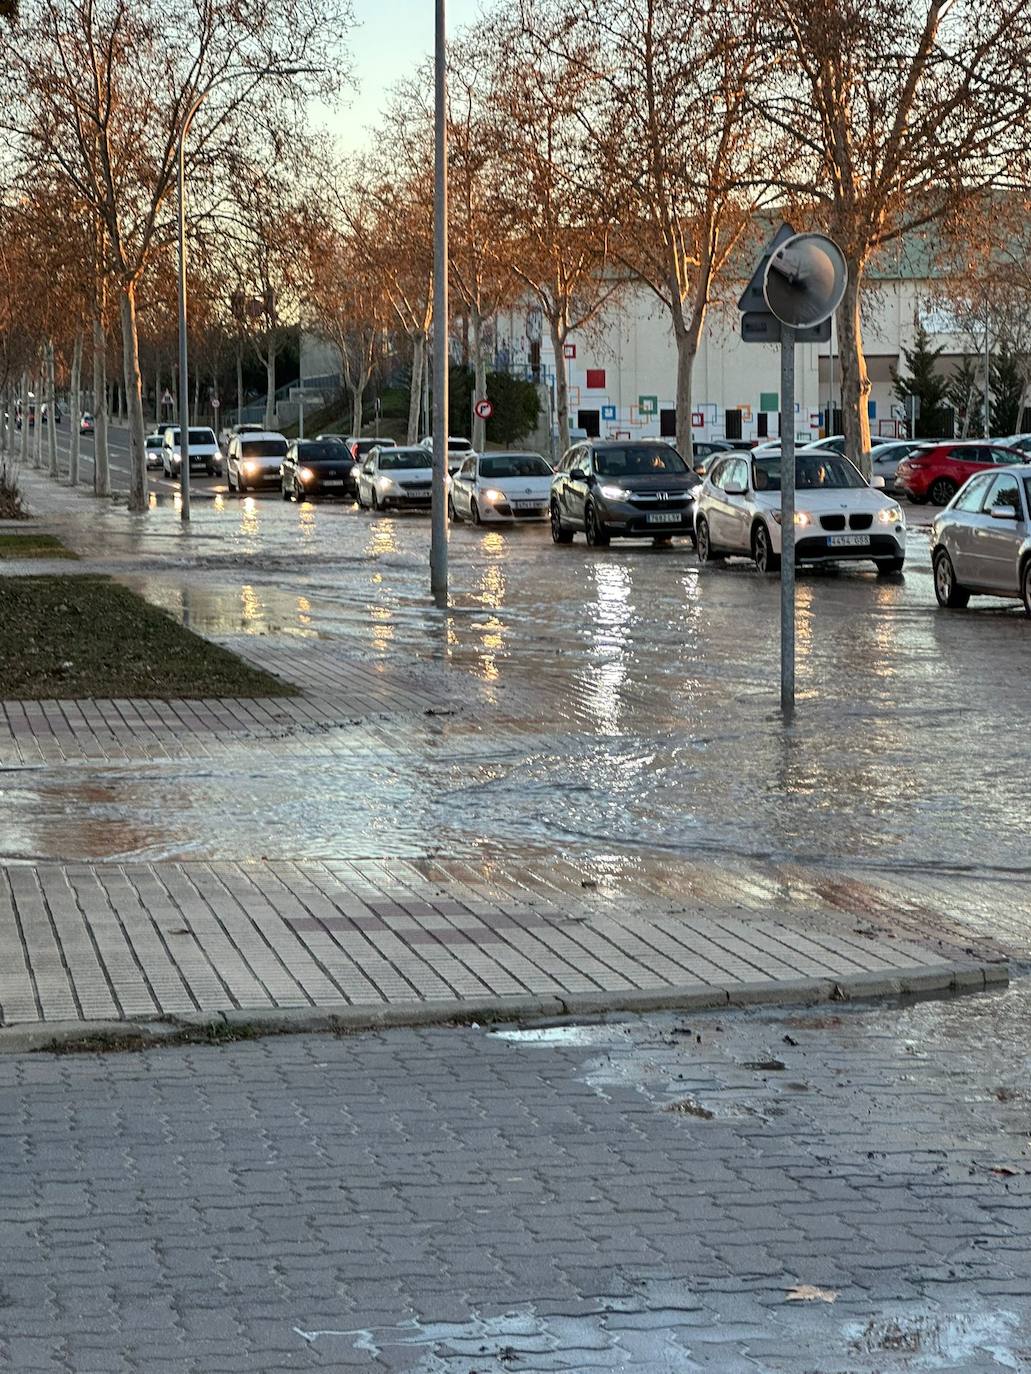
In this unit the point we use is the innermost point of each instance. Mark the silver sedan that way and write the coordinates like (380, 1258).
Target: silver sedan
(981, 541)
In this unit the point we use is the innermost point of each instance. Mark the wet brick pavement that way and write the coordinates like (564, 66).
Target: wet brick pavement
(638, 1195)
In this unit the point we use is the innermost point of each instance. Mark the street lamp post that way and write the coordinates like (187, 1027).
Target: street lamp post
(184, 379)
(439, 531)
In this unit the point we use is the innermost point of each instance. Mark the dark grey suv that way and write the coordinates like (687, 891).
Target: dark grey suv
(622, 488)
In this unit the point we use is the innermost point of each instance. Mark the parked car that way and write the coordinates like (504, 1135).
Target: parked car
(1020, 442)
(204, 451)
(314, 467)
(839, 516)
(500, 487)
(981, 542)
(885, 459)
(703, 451)
(936, 471)
(255, 459)
(85, 423)
(835, 443)
(401, 478)
(154, 446)
(616, 488)
(332, 438)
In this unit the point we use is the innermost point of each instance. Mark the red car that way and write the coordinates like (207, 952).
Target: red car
(936, 472)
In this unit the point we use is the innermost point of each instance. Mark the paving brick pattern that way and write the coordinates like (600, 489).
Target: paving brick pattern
(97, 942)
(637, 1196)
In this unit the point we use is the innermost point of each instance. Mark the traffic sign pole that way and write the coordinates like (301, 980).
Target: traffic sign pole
(787, 520)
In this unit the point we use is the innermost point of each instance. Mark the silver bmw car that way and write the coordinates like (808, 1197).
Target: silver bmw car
(981, 541)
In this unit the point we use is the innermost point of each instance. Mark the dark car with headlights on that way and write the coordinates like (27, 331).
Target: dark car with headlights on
(314, 467)
(618, 489)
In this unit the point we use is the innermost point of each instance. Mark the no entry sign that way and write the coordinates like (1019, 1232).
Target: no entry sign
(483, 410)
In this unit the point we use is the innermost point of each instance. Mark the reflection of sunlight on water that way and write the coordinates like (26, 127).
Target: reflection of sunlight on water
(613, 619)
(251, 606)
(249, 522)
(152, 500)
(382, 627)
(220, 503)
(304, 610)
(306, 518)
(803, 621)
(382, 537)
(493, 544)
(177, 502)
(492, 587)
(492, 639)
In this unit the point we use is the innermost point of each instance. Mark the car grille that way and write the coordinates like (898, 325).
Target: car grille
(414, 486)
(661, 500)
(832, 522)
(863, 521)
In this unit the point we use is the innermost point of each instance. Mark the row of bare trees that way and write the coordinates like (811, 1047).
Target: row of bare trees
(597, 147)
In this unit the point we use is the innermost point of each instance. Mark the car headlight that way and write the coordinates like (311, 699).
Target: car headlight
(355, 470)
(387, 483)
(802, 518)
(250, 467)
(614, 493)
(891, 516)
(492, 494)
(305, 475)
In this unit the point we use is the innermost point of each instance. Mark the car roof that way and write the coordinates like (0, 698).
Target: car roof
(261, 434)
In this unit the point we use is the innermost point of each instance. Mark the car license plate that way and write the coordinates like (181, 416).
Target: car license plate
(663, 518)
(528, 505)
(333, 482)
(848, 541)
(418, 491)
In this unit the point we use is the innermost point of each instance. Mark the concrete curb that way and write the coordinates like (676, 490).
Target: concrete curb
(200, 1028)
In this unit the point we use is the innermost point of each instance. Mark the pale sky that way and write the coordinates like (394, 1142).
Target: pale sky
(391, 38)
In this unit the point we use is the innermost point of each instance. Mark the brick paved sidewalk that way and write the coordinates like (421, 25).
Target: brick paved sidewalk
(372, 942)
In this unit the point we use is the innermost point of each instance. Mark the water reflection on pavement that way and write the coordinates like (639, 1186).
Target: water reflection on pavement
(616, 705)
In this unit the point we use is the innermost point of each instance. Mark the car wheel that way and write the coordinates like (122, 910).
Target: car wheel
(949, 593)
(452, 514)
(1025, 586)
(766, 561)
(210, 470)
(942, 491)
(703, 543)
(283, 491)
(474, 511)
(890, 565)
(559, 533)
(593, 528)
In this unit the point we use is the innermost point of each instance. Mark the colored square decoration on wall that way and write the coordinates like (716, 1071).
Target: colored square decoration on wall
(746, 414)
(769, 400)
(697, 419)
(595, 379)
(569, 350)
(636, 418)
(607, 412)
(622, 434)
(648, 405)
(574, 397)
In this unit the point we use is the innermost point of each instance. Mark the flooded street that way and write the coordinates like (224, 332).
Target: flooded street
(614, 706)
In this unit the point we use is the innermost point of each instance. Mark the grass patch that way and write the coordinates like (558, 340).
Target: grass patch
(89, 637)
(33, 546)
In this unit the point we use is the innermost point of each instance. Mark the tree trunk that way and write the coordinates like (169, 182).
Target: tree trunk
(101, 465)
(687, 334)
(24, 418)
(239, 383)
(40, 391)
(855, 380)
(415, 395)
(196, 399)
(357, 399)
(479, 377)
(51, 412)
(558, 344)
(75, 402)
(138, 490)
(270, 384)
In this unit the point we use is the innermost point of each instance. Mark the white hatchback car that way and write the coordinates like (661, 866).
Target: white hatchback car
(501, 487)
(255, 459)
(401, 478)
(839, 516)
(205, 454)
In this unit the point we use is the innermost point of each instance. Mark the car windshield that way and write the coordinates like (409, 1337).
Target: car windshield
(514, 465)
(812, 471)
(263, 448)
(393, 460)
(324, 452)
(638, 460)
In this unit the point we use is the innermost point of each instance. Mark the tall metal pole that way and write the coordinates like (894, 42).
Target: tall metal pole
(787, 520)
(987, 376)
(439, 531)
(184, 379)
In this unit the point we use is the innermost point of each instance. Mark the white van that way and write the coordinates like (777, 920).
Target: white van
(205, 454)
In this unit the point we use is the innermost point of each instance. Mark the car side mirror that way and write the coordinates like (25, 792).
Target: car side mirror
(734, 489)
(1003, 513)
(877, 482)
(578, 474)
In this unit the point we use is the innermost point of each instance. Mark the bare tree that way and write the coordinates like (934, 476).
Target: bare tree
(105, 89)
(901, 113)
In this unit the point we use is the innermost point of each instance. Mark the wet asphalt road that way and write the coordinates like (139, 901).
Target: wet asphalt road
(617, 705)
